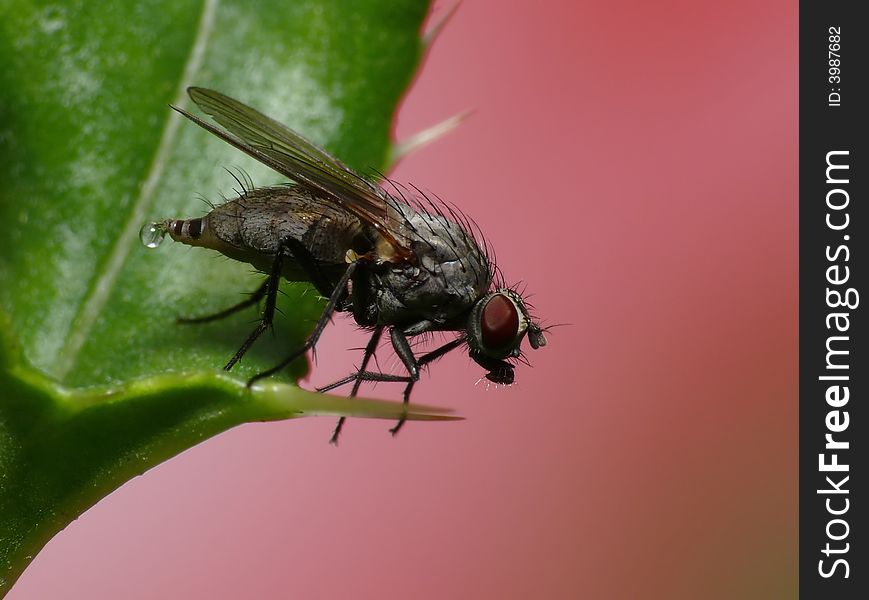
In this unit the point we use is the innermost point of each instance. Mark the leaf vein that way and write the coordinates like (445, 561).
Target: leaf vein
(105, 282)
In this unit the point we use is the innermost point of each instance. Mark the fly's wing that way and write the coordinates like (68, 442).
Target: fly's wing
(282, 149)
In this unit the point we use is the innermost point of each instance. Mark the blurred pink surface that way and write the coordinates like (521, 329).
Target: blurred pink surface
(636, 164)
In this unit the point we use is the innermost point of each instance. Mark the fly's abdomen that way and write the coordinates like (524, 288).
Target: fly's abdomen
(185, 230)
(252, 227)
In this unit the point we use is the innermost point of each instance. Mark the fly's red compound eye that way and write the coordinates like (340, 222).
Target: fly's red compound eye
(499, 322)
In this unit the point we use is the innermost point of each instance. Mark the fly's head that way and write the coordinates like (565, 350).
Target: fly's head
(496, 326)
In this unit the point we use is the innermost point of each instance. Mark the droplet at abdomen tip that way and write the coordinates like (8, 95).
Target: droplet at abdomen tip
(152, 234)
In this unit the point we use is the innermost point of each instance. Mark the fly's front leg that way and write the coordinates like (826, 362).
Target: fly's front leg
(404, 352)
(402, 348)
(420, 363)
(361, 375)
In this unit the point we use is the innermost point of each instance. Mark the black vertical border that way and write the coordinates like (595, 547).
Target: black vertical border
(825, 128)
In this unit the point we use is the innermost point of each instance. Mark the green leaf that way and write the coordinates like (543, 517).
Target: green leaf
(97, 382)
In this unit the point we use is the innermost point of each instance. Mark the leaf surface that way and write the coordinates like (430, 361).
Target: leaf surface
(97, 382)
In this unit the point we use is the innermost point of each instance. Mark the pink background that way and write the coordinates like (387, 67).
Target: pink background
(636, 164)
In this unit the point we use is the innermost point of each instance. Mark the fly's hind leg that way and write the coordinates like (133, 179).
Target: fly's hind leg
(270, 290)
(253, 298)
(338, 294)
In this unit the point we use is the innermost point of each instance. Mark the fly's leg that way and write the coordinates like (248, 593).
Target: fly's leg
(410, 380)
(270, 289)
(337, 294)
(309, 265)
(254, 298)
(413, 365)
(365, 376)
(385, 377)
(404, 352)
(370, 348)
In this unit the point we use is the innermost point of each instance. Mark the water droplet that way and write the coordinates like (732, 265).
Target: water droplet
(152, 234)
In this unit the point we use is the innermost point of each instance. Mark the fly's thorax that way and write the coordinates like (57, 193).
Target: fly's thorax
(407, 294)
(450, 274)
(447, 251)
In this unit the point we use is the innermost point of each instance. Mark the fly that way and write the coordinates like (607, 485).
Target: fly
(399, 263)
